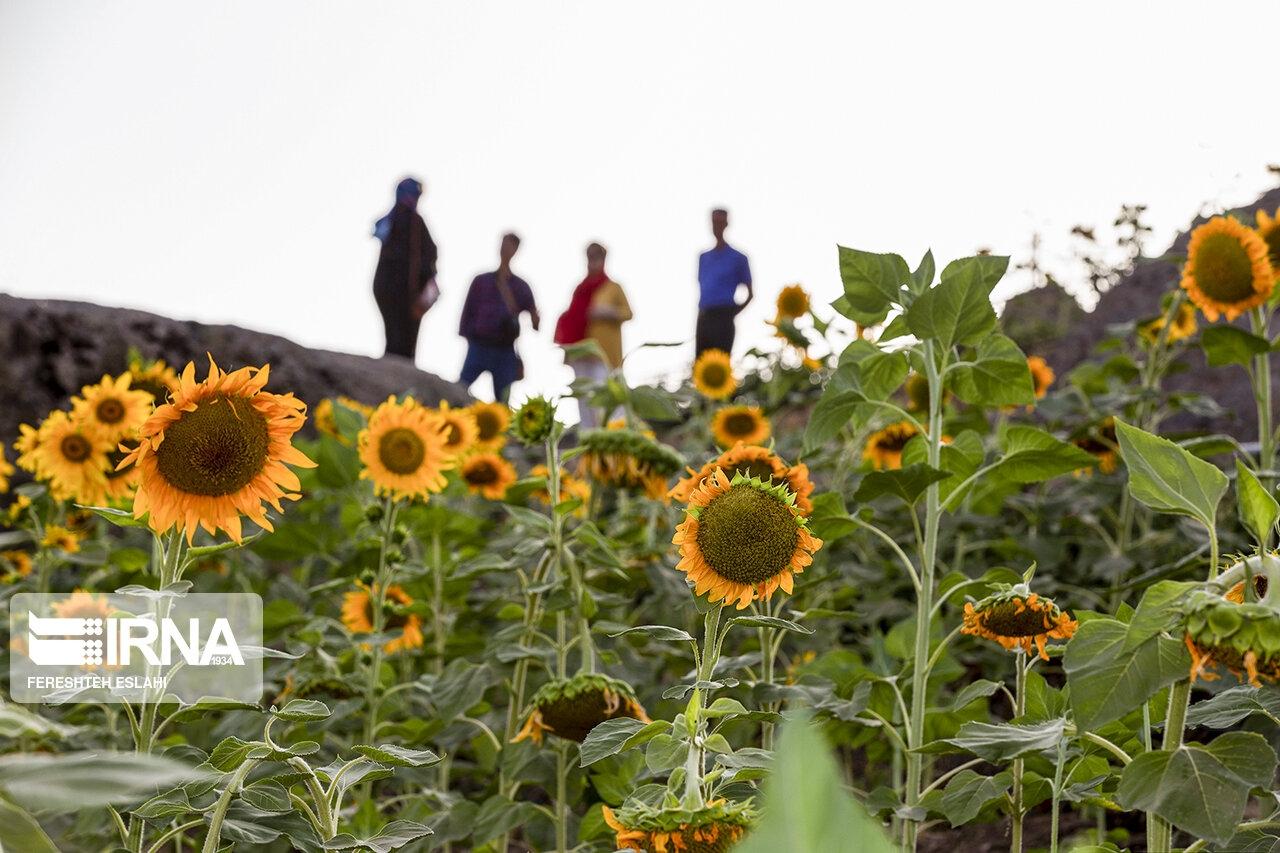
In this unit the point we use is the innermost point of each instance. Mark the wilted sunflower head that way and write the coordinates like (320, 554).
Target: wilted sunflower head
(1042, 375)
(1100, 440)
(1242, 638)
(72, 458)
(742, 539)
(884, 446)
(793, 302)
(713, 375)
(488, 475)
(216, 451)
(628, 459)
(111, 409)
(534, 420)
(403, 450)
(154, 377)
(491, 420)
(571, 708)
(18, 562)
(715, 828)
(1227, 270)
(460, 429)
(1269, 230)
(746, 424)
(403, 626)
(1015, 617)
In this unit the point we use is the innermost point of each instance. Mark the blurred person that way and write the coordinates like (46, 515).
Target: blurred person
(721, 271)
(596, 312)
(491, 323)
(404, 283)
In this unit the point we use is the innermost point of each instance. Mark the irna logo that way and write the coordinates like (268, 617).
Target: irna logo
(55, 641)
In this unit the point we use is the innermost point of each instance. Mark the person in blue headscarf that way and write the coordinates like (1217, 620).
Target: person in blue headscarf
(404, 283)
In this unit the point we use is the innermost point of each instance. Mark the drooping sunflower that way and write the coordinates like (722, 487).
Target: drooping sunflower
(61, 538)
(1042, 375)
(1101, 441)
(216, 451)
(460, 429)
(111, 408)
(155, 377)
(1269, 230)
(713, 375)
(1183, 326)
(1227, 270)
(571, 488)
(743, 539)
(403, 450)
(884, 446)
(1017, 618)
(572, 707)
(534, 420)
(628, 459)
(715, 828)
(746, 424)
(488, 475)
(793, 302)
(491, 420)
(71, 458)
(753, 461)
(357, 616)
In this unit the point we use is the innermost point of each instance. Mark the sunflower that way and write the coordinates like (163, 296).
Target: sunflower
(111, 409)
(19, 561)
(1102, 443)
(884, 446)
(715, 828)
(17, 508)
(6, 471)
(628, 459)
(1042, 375)
(753, 461)
(460, 429)
(72, 458)
(82, 605)
(713, 375)
(218, 450)
(571, 708)
(742, 539)
(357, 616)
(26, 444)
(491, 420)
(1227, 270)
(402, 450)
(326, 420)
(1183, 326)
(746, 424)
(155, 377)
(488, 475)
(571, 488)
(1016, 618)
(793, 302)
(1269, 230)
(61, 538)
(534, 420)
(1242, 638)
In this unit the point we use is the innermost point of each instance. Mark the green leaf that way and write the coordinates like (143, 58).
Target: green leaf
(658, 632)
(983, 271)
(302, 710)
(1235, 704)
(1031, 455)
(73, 781)
(19, 831)
(117, 517)
(907, 483)
(922, 276)
(1200, 788)
(1225, 345)
(231, 752)
(665, 752)
(1001, 742)
(968, 793)
(614, 736)
(1256, 506)
(805, 805)
(1109, 679)
(998, 376)
(957, 311)
(770, 622)
(393, 836)
(871, 284)
(830, 415)
(971, 692)
(654, 404)
(882, 373)
(398, 756)
(1169, 479)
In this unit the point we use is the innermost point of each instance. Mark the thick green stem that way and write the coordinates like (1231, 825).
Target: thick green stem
(1262, 394)
(214, 838)
(696, 725)
(562, 797)
(378, 597)
(1020, 708)
(1057, 795)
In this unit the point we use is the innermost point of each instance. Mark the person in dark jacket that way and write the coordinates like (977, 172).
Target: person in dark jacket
(404, 282)
(491, 323)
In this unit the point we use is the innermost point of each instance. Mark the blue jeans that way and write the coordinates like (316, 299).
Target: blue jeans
(498, 360)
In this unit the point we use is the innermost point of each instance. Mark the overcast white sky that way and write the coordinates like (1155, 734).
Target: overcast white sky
(225, 161)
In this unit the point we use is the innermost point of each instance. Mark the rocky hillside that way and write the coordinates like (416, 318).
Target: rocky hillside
(49, 349)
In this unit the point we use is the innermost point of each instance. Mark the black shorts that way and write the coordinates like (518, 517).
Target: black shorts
(715, 329)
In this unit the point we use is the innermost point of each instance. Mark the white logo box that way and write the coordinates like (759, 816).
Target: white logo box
(135, 645)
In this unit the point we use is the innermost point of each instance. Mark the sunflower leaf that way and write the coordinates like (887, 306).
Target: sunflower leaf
(968, 793)
(1032, 455)
(830, 415)
(958, 310)
(1001, 742)
(1225, 345)
(998, 375)
(1108, 679)
(770, 622)
(1167, 478)
(614, 736)
(1256, 506)
(872, 283)
(659, 632)
(907, 483)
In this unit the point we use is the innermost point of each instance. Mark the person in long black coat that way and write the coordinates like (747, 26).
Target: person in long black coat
(406, 265)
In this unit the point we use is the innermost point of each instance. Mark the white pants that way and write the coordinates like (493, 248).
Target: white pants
(596, 371)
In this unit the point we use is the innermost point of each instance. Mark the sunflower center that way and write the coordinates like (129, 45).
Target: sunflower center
(747, 535)
(481, 474)
(76, 448)
(455, 435)
(1223, 269)
(110, 411)
(714, 375)
(894, 442)
(1006, 620)
(740, 423)
(487, 424)
(401, 451)
(757, 468)
(794, 304)
(573, 717)
(215, 449)
(1272, 239)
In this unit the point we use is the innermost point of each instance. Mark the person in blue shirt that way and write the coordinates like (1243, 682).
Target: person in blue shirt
(721, 271)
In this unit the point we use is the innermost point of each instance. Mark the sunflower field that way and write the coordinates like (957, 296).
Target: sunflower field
(889, 584)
